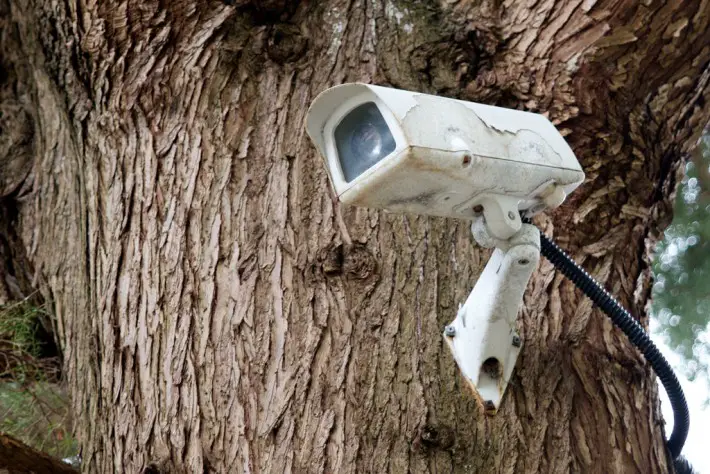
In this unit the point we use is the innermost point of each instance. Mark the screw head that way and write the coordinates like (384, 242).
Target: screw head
(511, 215)
(523, 261)
(450, 331)
(516, 341)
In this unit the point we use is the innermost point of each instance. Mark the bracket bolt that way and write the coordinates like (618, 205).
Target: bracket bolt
(511, 215)
(450, 331)
(523, 261)
(516, 341)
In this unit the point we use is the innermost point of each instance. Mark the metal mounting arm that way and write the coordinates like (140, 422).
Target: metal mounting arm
(483, 338)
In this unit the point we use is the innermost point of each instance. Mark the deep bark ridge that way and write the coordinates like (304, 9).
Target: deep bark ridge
(220, 312)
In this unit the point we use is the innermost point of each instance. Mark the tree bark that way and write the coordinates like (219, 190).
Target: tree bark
(220, 312)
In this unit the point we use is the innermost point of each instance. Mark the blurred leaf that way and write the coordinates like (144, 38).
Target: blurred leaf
(681, 293)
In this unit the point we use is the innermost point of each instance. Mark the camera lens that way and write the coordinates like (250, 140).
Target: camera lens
(362, 139)
(366, 141)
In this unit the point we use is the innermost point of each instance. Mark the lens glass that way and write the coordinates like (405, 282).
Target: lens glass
(362, 139)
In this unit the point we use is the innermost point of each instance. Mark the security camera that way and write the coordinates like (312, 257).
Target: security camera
(415, 153)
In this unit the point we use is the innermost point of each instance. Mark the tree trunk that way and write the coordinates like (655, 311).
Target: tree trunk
(220, 312)
(18, 458)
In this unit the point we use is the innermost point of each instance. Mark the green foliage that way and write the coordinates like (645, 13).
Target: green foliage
(20, 346)
(33, 407)
(681, 297)
(18, 325)
(38, 414)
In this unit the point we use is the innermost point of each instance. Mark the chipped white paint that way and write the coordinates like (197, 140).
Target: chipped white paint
(450, 155)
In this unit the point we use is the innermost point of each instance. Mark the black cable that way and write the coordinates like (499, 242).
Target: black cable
(636, 334)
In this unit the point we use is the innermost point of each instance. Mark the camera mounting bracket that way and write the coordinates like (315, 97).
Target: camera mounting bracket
(483, 337)
(500, 218)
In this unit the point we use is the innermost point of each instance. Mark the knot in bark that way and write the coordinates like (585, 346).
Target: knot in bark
(266, 11)
(353, 260)
(285, 44)
(358, 261)
(331, 259)
(434, 437)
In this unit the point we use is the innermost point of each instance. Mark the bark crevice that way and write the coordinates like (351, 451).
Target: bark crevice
(219, 311)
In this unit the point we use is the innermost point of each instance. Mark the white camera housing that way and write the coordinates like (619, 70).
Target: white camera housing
(417, 153)
(445, 157)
